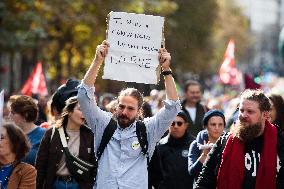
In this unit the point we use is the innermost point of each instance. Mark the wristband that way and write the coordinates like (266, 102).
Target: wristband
(164, 73)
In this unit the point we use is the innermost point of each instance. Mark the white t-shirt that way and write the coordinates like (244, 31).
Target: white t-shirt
(192, 112)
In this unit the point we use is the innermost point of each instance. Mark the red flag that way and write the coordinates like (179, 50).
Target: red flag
(229, 74)
(36, 82)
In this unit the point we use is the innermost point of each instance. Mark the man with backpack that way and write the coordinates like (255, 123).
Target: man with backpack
(123, 144)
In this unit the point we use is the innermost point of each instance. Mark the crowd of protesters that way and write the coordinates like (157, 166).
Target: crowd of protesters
(132, 142)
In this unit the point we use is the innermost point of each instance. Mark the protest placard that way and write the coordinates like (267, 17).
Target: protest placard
(134, 43)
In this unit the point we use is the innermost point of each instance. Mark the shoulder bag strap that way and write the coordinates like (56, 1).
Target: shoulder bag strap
(62, 137)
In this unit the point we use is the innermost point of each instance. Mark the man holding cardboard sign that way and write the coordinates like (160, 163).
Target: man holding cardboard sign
(122, 163)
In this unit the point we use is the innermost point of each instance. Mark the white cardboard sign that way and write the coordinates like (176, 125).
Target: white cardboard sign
(134, 43)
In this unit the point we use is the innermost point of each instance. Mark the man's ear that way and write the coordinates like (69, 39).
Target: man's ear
(140, 113)
(266, 115)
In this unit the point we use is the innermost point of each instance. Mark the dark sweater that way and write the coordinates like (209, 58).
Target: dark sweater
(168, 167)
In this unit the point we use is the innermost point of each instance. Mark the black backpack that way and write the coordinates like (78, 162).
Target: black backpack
(109, 131)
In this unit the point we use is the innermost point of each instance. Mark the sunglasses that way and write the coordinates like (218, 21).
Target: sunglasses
(178, 123)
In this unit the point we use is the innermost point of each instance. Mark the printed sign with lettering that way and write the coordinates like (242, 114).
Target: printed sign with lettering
(134, 43)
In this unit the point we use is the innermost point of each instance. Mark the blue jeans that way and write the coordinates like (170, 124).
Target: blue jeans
(60, 184)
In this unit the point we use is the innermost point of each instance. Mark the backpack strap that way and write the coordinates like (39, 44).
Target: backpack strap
(108, 132)
(142, 138)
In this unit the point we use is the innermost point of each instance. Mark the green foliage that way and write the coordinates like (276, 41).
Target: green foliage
(19, 25)
(64, 34)
(189, 32)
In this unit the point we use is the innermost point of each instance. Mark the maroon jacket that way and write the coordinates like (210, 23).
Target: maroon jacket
(51, 151)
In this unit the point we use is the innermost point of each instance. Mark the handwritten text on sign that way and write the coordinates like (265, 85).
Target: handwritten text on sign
(134, 43)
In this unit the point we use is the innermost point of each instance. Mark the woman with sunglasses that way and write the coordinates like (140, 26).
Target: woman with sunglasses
(168, 167)
(214, 124)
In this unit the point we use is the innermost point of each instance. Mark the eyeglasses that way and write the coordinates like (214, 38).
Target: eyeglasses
(178, 123)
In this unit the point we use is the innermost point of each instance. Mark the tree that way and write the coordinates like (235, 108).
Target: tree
(19, 33)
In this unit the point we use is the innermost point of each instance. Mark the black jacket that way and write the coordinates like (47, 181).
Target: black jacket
(208, 177)
(196, 126)
(168, 167)
(51, 151)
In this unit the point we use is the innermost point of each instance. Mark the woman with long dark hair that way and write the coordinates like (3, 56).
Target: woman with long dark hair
(51, 160)
(277, 110)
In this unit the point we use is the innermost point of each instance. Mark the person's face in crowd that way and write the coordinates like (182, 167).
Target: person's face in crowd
(178, 127)
(5, 143)
(273, 113)
(193, 94)
(42, 101)
(77, 116)
(16, 118)
(251, 120)
(127, 110)
(215, 127)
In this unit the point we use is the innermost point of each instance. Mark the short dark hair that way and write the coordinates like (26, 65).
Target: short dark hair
(257, 95)
(134, 93)
(20, 144)
(183, 116)
(190, 83)
(212, 113)
(25, 106)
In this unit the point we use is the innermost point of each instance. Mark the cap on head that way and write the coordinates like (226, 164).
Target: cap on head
(212, 113)
(183, 116)
(63, 93)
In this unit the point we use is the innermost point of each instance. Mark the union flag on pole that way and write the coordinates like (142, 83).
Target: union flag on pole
(229, 74)
(36, 82)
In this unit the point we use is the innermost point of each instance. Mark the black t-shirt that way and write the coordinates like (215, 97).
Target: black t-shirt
(252, 158)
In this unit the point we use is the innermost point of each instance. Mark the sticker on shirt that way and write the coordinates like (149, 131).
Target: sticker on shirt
(135, 145)
(89, 150)
(184, 153)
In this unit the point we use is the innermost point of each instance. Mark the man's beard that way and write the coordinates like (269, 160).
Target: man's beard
(124, 121)
(246, 133)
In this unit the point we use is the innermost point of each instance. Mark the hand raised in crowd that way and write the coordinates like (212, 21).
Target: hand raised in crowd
(164, 59)
(202, 158)
(101, 52)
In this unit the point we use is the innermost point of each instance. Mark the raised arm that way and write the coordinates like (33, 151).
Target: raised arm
(159, 123)
(165, 61)
(96, 118)
(91, 75)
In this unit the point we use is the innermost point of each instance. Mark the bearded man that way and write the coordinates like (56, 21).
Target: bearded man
(123, 163)
(251, 156)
